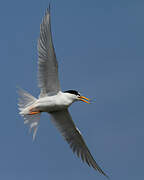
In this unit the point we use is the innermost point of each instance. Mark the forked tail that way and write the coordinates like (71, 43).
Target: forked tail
(25, 100)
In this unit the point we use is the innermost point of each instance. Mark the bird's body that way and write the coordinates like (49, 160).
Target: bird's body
(49, 104)
(52, 100)
(54, 103)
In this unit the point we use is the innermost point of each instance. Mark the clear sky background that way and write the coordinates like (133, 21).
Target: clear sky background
(100, 50)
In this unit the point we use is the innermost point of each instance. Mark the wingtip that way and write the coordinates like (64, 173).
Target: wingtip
(48, 10)
(97, 168)
(105, 175)
(49, 6)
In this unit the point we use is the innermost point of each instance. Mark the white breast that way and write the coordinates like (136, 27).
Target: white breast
(53, 103)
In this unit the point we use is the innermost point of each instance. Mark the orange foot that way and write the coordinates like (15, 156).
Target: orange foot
(34, 112)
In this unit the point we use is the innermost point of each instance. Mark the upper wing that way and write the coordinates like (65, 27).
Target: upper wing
(47, 62)
(64, 123)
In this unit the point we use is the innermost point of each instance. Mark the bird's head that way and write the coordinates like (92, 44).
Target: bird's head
(75, 96)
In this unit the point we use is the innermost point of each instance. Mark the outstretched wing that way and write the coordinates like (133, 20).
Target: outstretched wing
(64, 123)
(47, 62)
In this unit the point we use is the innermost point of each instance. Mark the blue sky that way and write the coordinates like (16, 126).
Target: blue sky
(99, 46)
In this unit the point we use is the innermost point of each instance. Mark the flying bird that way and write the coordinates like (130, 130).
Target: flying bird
(52, 100)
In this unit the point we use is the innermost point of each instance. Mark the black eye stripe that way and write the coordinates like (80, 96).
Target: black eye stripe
(73, 92)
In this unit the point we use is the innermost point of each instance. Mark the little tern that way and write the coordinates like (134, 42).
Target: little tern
(52, 99)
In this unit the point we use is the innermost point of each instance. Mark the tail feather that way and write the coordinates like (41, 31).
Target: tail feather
(32, 121)
(25, 100)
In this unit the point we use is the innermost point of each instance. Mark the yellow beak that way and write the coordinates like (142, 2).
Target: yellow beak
(84, 99)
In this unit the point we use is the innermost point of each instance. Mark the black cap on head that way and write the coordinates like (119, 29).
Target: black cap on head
(73, 92)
